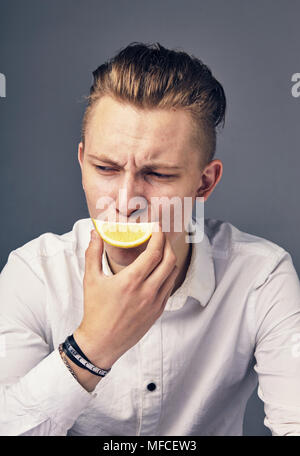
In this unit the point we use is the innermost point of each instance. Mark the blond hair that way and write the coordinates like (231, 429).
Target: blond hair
(151, 76)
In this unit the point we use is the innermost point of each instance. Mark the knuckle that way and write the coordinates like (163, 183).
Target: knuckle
(89, 276)
(86, 280)
(172, 259)
(129, 286)
(146, 298)
(156, 255)
(135, 276)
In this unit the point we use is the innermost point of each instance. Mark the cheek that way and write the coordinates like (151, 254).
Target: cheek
(174, 213)
(98, 193)
(95, 186)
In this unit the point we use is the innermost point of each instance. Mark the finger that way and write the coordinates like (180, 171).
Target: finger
(144, 264)
(93, 254)
(164, 269)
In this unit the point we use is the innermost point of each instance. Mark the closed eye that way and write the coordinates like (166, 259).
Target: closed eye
(159, 175)
(162, 175)
(104, 168)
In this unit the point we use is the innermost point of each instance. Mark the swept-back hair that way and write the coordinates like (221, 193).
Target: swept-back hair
(150, 76)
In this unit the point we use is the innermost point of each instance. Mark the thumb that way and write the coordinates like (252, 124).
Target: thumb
(93, 254)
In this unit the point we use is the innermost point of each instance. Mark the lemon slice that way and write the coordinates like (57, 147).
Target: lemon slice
(124, 235)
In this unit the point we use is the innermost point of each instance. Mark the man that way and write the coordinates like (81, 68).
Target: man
(180, 331)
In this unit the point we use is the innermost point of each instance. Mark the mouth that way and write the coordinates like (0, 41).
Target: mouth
(126, 235)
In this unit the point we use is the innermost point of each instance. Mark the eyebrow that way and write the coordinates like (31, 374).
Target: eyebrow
(156, 165)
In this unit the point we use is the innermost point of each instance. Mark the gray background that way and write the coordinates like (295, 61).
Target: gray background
(48, 50)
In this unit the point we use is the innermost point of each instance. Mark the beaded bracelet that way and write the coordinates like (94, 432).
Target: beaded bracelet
(64, 358)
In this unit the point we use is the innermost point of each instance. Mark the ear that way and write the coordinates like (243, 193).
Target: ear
(204, 190)
(210, 178)
(80, 160)
(80, 154)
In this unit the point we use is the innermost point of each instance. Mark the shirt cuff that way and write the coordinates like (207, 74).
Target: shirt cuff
(55, 392)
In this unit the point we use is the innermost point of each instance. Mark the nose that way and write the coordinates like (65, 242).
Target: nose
(130, 199)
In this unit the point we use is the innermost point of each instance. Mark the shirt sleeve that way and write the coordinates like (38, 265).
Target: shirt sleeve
(277, 346)
(38, 394)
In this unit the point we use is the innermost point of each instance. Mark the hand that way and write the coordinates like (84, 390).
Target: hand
(120, 309)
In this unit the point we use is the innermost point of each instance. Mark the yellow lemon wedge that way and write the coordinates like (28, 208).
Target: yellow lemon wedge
(126, 235)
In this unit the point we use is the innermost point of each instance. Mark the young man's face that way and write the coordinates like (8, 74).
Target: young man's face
(154, 156)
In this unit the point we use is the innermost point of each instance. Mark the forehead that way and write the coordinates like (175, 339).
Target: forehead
(121, 125)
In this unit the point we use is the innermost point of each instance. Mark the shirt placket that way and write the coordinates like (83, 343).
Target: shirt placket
(150, 347)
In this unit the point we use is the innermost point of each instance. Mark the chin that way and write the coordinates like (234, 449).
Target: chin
(124, 257)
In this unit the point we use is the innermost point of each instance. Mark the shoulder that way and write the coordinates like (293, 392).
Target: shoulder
(244, 251)
(50, 246)
(226, 237)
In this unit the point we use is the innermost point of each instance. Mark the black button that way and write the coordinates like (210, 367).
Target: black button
(151, 386)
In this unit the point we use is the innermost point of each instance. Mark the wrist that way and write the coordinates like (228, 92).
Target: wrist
(99, 357)
(87, 380)
(66, 361)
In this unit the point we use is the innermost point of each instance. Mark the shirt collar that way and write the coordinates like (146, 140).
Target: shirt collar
(199, 283)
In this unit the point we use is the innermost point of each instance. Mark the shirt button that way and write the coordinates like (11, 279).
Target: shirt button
(151, 386)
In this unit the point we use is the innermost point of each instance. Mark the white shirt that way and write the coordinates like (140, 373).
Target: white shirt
(235, 321)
